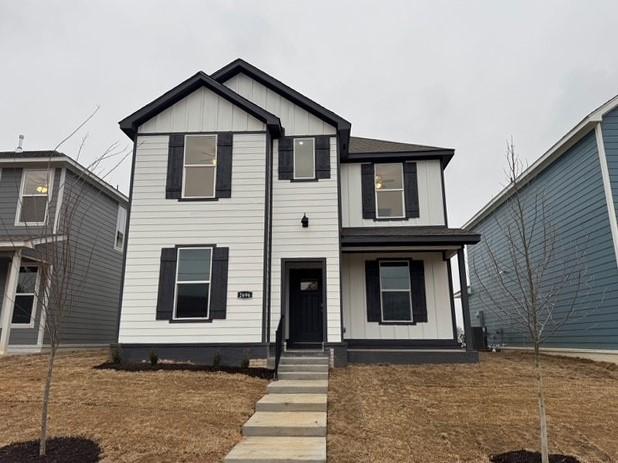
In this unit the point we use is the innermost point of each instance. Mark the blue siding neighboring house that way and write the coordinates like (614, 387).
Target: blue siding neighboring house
(578, 179)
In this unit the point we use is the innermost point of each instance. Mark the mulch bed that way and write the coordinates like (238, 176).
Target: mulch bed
(524, 456)
(59, 450)
(262, 373)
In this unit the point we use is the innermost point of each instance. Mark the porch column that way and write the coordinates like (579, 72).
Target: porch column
(463, 284)
(8, 301)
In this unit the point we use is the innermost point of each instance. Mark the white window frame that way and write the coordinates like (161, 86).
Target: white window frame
(312, 140)
(35, 299)
(212, 251)
(118, 229)
(214, 166)
(50, 184)
(402, 189)
(382, 291)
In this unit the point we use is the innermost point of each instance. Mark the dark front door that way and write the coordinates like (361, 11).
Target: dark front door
(306, 308)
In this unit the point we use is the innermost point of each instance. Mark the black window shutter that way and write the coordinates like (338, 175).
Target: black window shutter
(417, 282)
(372, 289)
(411, 188)
(175, 157)
(224, 165)
(218, 283)
(167, 282)
(368, 192)
(286, 155)
(322, 156)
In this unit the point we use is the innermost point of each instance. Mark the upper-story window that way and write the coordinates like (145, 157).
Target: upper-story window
(194, 266)
(200, 166)
(121, 226)
(390, 196)
(304, 158)
(395, 291)
(33, 197)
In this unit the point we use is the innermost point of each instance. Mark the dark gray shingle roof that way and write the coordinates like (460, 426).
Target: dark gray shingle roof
(374, 145)
(357, 236)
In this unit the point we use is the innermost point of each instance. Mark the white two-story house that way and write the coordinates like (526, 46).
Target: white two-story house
(252, 208)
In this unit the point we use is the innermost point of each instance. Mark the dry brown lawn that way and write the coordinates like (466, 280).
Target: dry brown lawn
(171, 416)
(463, 413)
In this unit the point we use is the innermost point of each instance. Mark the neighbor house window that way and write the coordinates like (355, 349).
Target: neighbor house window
(395, 293)
(23, 309)
(200, 166)
(121, 226)
(304, 158)
(193, 282)
(389, 191)
(34, 195)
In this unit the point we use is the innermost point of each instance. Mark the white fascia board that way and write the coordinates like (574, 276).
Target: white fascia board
(558, 149)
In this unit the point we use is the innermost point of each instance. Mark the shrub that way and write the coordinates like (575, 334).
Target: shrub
(216, 360)
(154, 358)
(245, 363)
(115, 354)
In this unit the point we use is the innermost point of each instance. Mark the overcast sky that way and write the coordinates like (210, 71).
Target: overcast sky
(465, 75)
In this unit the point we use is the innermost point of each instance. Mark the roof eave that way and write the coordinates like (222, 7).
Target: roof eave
(444, 156)
(129, 125)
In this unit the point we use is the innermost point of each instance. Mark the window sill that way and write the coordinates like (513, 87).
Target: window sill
(197, 199)
(22, 326)
(301, 180)
(391, 219)
(189, 320)
(402, 323)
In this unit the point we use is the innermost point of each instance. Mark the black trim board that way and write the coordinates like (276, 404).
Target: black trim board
(443, 155)
(411, 357)
(130, 124)
(267, 232)
(231, 354)
(241, 66)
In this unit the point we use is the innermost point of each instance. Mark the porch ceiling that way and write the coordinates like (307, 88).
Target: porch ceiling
(436, 237)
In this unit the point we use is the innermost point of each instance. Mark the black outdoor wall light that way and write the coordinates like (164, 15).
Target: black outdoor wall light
(305, 221)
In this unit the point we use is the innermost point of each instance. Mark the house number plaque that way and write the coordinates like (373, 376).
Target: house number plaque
(245, 294)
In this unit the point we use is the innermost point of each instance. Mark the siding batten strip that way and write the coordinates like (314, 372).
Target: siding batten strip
(607, 187)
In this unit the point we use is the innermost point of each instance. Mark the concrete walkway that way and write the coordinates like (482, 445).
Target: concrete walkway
(289, 423)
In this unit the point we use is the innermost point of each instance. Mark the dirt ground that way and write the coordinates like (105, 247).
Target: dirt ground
(164, 416)
(463, 413)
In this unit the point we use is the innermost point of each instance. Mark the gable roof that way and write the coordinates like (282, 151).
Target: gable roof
(241, 66)
(370, 149)
(584, 127)
(130, 123)
(58, 159)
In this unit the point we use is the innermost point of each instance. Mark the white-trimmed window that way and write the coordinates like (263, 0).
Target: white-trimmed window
(199, 166)
(390, 197)
(121, 227)
(304, 159)
(25, 296)
(193, 276)
(395, 291)
(33, 197)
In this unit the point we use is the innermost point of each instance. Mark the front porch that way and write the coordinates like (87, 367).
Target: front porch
(397, 295)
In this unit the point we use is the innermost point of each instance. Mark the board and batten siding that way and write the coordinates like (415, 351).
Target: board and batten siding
(295, 120)
(202, 111)
(439, 323)
(431, 205)
(576, 207)
(236, 222)
(318, 200)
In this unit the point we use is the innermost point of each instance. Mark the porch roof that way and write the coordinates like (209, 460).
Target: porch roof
(11, 242)
(407, 236)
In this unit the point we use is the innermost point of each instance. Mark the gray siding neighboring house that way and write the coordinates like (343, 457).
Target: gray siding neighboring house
(578, 178)
(98, 260)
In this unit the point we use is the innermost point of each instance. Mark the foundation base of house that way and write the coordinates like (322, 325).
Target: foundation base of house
(598, 355)
(412, 356)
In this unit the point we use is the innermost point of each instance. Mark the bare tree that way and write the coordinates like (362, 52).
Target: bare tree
(523, 281)
(56, 247)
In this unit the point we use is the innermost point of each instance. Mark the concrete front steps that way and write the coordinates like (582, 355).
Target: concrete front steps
(289, 425)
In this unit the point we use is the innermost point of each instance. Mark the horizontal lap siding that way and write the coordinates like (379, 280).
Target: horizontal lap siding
(439, 316)
(97, 266)
(236, 222)
(577, 208)
(610, 140)
(202, 111)
(318, 200)
(431, 205)
(296, 120)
